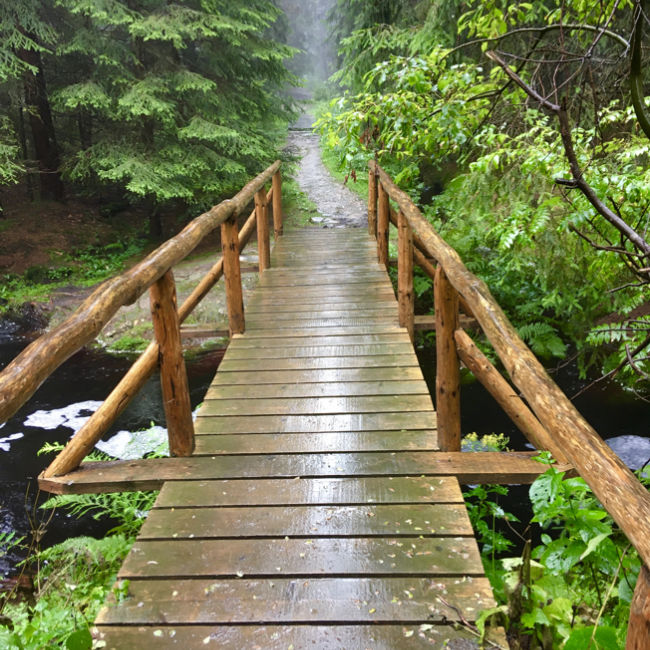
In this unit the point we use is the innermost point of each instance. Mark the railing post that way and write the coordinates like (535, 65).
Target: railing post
(173, 376)
(448, 367)
(405, 295)
(263, 243)
(278, 228)
(232, 273)
(638, 631)
(383, 223)
(372, 203)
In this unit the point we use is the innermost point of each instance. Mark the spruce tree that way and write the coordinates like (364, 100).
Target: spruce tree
(176, 101)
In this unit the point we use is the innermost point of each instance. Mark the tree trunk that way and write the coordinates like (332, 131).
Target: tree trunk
(42, 125)
(85, 123)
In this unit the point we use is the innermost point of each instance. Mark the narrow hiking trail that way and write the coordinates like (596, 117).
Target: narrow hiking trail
(338, 206)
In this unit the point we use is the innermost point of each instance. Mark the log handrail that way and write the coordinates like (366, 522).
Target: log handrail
(23, 376)
(617, 488)
(83, 442)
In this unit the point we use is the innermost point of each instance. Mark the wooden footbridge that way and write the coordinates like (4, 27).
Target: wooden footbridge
(316, 501)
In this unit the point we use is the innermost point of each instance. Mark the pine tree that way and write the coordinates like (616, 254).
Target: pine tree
(177, 101)
(24, 37)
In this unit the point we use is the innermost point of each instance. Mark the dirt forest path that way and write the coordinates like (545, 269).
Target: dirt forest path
(338, 206)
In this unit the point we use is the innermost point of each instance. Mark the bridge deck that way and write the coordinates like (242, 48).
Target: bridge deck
(338, 535)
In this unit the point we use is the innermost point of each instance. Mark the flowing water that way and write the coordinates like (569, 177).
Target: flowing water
(57, 410)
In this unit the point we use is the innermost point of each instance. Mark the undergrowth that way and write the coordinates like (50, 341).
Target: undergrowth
(571, 592)
(82, 268)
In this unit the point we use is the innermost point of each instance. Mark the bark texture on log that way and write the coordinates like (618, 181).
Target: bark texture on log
(626, 500)
(263, 237)
(22, 377)
(507, 398)
(638, 631)
(405, 293)
(447, 364)
(383, 224)
(173, 376)
(83, 442)
(276, 189)
(372, 204)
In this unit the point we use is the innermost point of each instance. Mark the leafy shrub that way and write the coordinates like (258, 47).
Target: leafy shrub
(574, 589)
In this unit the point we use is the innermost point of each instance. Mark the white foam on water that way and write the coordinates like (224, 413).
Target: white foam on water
(4, 442)
(68, 416)
(126, 445)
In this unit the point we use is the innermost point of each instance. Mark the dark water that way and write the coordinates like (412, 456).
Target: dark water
(88, 376)
(91, 375)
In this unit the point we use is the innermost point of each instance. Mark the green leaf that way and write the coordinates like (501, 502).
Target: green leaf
(604, 639)
(593, 544)
(79, 640)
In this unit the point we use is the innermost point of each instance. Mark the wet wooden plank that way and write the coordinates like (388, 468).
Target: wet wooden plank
(271, 305)
(330, 279)
(312, 313)
(321, 363)
(312, 491)
(428, 557)
(370, 290)
(283, 306)
(320, 323)
(318, 376)
(257, 342)
(317, 443)
(282, 637)
(342, 600)
(369, 329)
(317, 405)
(300, 351)
(150, 474)
(208, 425)
(339, 389)
(428, 520)
(325, 268)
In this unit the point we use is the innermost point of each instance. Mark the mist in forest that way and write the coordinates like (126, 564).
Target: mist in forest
(310, 33)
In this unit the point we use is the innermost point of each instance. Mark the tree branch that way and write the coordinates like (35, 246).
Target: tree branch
(572, 27)
(565, 132)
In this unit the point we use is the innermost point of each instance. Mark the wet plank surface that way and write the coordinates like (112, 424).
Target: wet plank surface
(411, 636)
(317, 511)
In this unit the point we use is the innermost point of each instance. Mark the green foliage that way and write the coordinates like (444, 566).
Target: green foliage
(190, 89)
(130, 344)
(434, 117)
(8, 542)
(129, 508)
(169, 102)
(578, 584)
(85, 267)
(73, 581)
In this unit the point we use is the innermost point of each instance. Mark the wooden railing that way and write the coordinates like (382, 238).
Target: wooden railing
(22, 377)
(554, 424)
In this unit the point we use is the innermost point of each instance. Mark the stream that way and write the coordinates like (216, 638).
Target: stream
(64, 402)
